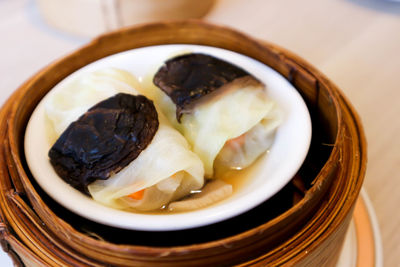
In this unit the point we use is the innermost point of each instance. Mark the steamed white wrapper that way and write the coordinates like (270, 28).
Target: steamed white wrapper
(167, 169)
(167, 154)
(229, 114)
(240, 155)
(74, 97)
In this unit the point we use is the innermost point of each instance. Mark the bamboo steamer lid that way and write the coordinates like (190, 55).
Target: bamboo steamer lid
(303, 225)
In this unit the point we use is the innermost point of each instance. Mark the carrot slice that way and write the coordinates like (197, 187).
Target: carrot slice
(137, 195)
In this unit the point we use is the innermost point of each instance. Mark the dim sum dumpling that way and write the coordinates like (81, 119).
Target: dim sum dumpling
(221, 109)
(164, 171)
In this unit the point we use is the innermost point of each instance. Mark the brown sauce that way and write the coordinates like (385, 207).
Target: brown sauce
(237, 178)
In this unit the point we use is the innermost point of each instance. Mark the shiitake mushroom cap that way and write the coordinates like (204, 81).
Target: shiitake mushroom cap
(104, 140)
(187, 78)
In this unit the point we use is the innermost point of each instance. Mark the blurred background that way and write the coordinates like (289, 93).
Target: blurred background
(355, 43)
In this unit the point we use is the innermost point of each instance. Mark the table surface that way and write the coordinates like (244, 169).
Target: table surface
(356, 43)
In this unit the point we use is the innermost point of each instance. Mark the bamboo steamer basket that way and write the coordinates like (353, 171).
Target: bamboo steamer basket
(303, 225)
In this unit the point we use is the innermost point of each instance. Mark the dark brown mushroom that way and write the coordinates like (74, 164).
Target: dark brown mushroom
(104, 140)
(188, 78)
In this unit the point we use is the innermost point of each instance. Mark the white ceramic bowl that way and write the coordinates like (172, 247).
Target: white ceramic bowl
(276, 169)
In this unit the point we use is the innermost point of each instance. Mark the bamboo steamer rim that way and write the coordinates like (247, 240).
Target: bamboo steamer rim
(186, 26)
(343, 210)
